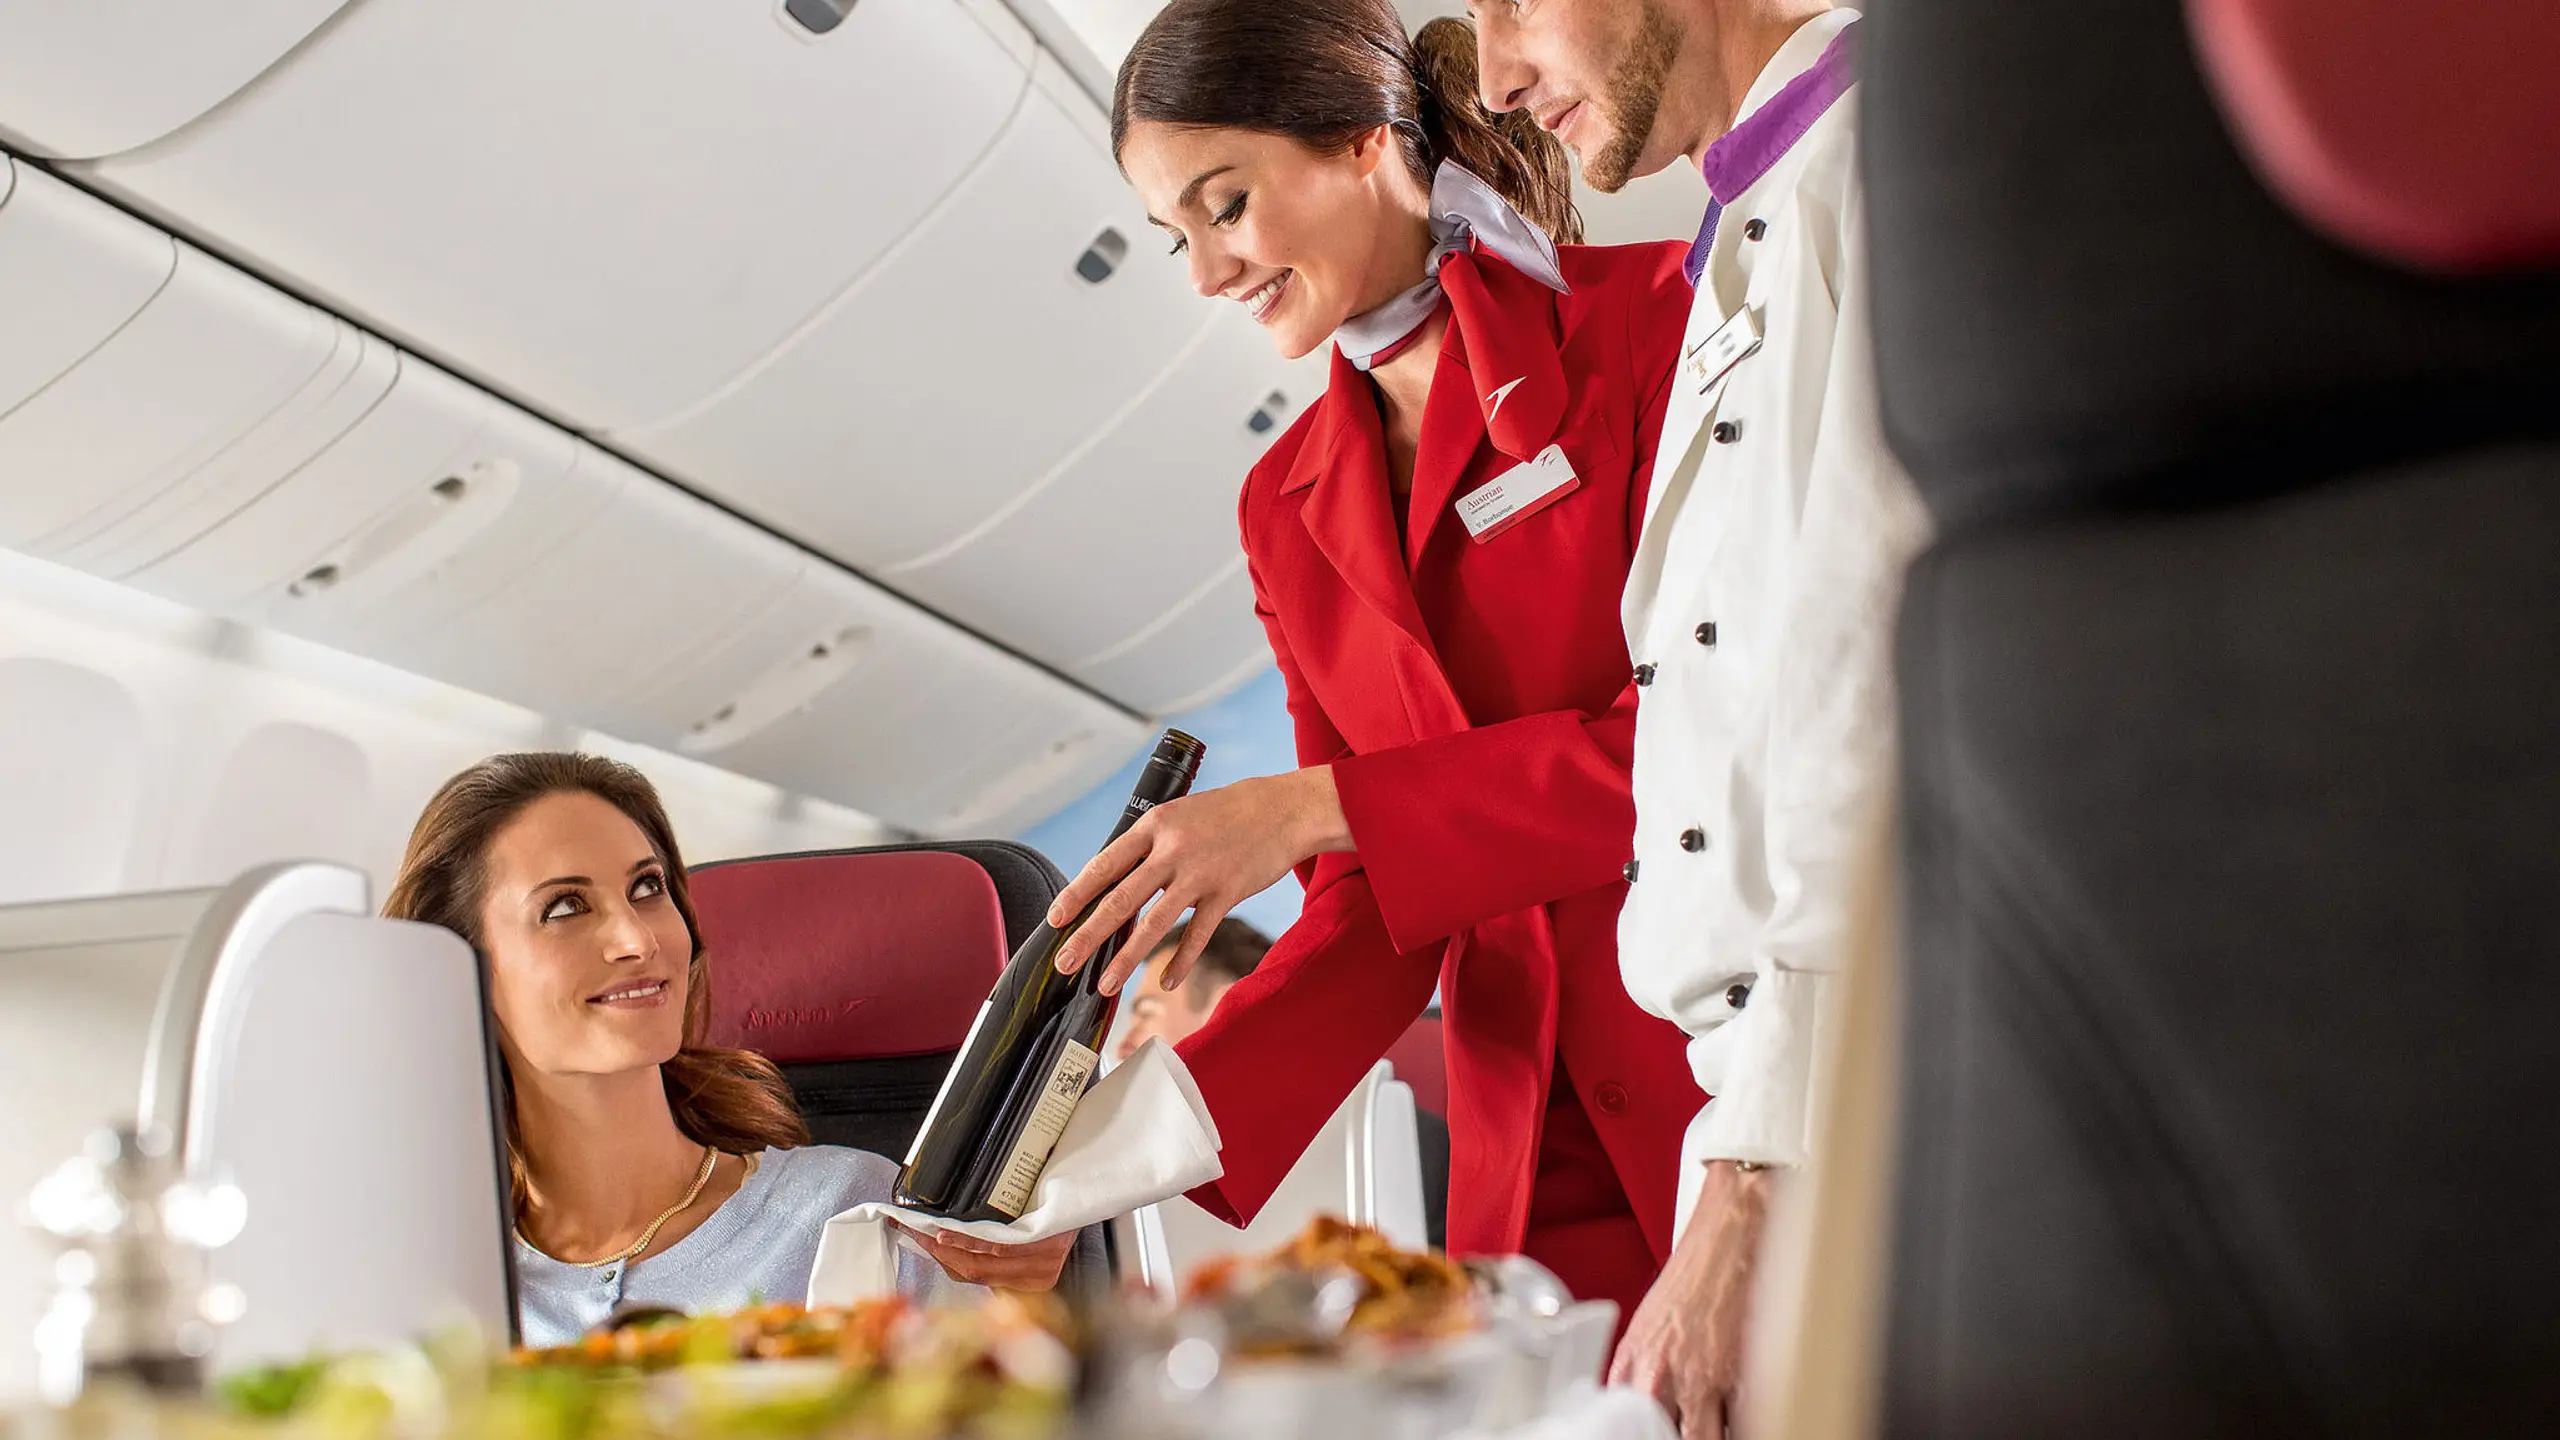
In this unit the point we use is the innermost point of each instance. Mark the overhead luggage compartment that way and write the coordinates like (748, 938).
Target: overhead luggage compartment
(72, 272)
(904, 718)
(452, 535)
(1191, 656)
(1031, 307)
(82, 78)
(179, 412)
(609, 207)
(1088, 569)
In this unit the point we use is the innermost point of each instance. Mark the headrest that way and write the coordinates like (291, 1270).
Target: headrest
(2083, 296)
(853, 955)
(2426, 134)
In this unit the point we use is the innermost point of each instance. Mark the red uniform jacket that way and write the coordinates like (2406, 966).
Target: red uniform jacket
(1476, 705)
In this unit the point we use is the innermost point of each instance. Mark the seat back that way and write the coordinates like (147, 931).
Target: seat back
(859, 972)
(2231, 805)
(2419, 132)
(1363, 1166)
(335, 1066)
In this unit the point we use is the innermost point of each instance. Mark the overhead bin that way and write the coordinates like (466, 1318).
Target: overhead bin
(1193, 655)
(207, 394)
(72, 272)
(1030, 308)
(450, 534)
(94, 77)
(905, 716)
(453, 536)
(404, 511)
(1149, 503)
(611, 207)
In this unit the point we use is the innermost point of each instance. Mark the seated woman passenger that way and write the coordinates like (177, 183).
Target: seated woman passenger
(646, 1167)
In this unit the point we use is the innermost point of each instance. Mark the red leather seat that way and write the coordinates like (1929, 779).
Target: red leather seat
(858, 971)
(2426, 134)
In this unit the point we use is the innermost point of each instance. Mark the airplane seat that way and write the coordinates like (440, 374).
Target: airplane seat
(235, 1018)
(2231, 805)
(2422, 134)
(860, 971)
(1421, 1063)
(1363, 1166)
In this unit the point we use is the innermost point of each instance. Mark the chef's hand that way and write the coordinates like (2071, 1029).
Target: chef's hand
(987, 1262)
(1684, 1346)
(1205, 853)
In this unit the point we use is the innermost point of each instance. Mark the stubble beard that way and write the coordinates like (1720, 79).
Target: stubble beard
(1632, 98)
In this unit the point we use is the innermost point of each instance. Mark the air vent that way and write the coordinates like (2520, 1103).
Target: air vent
(1266, 417)
(817, 16)
(1103, 256)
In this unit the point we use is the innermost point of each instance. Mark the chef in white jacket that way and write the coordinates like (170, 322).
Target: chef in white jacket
(1760, 608)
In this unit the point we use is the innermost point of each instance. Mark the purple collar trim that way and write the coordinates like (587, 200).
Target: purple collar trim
(1739, 157)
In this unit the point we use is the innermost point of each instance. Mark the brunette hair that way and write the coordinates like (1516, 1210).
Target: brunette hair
(1235, 949)
(732, 1100)
(1324, 73)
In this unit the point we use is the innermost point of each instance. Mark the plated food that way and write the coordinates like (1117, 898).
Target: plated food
(881, 1370)
(1333, 1283)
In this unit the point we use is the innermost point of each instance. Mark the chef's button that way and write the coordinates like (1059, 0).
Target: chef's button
(1693, 839)
(1644, 675)
(1726, 431)
(1629, 872)
(1707, 634)
(1738, 996)
(1610, 1096)
(1755, 228)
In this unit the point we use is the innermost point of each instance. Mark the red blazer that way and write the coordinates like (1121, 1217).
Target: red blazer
(1475, 703)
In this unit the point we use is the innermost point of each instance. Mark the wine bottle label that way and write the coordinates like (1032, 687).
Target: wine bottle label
(958, 1059)
(1048, 1119)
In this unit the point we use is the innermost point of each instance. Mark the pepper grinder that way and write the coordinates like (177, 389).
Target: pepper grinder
(132, 1299)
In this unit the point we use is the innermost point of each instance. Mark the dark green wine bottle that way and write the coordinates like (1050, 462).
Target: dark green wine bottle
(1034, 1048)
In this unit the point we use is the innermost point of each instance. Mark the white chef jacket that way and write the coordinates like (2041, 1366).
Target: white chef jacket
(1762, 600)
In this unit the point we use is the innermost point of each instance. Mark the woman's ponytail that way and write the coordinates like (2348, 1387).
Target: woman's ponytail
(1324, 73)
(1523, 163)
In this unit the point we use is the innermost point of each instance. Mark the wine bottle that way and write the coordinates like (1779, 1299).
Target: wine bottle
(1031, 1052)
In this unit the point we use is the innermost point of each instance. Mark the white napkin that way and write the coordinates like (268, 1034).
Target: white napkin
(1142, 1134)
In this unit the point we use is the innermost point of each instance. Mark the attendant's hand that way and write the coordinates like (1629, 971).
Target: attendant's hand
(1005, 1267)
(1684, 1346)
(1205, 853)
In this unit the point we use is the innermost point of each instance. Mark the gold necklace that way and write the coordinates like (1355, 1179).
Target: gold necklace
(702, 1177)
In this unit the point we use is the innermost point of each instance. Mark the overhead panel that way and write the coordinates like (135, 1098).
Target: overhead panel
(1026, 312)
(204, 396)
(83, 78)
(1191, 656)
(907, 718)
(452, 535)
(610, 207)
(435, 500)
(1092, 564)
(72, 272)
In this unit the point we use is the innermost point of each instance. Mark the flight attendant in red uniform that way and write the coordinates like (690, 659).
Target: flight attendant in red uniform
(1437, 548)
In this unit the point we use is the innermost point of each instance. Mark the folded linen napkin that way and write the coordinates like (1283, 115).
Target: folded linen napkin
(1142, 1134)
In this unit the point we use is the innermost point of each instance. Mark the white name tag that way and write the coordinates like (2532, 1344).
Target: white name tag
(1519, 493)
(1711, 359)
